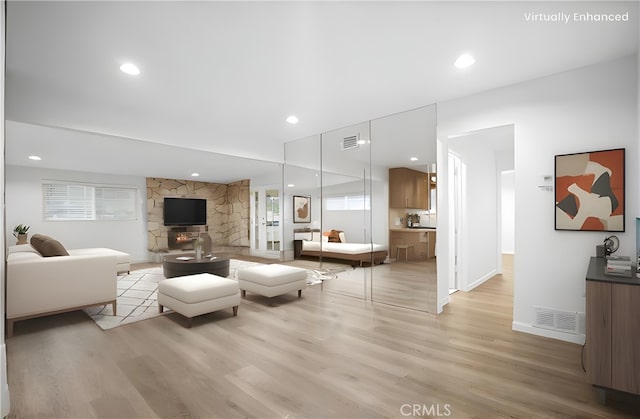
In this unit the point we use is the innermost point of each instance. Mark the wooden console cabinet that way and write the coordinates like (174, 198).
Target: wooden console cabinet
(300, 234)
(297, 248)
(613, 330)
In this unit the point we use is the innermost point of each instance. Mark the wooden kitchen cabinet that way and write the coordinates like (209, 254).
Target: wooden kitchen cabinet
(408, 188)
(613, 330)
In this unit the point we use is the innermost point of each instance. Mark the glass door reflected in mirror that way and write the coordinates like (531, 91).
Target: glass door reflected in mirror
(272, 202)
(265, 205)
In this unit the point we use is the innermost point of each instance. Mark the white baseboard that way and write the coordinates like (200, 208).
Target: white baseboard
(443, 302)
(481, 280)
(553, 334)
(4, 390)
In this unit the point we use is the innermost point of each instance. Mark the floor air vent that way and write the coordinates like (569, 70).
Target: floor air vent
(559, 320)
(350, 142)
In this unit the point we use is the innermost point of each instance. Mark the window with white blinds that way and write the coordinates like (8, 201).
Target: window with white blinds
(348, 203)
(79, 202)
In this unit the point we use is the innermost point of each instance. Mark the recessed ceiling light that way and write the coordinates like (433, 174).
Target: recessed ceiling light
(195, 174)
(36, 158)
(414, 159)
(291, 185)
(464, 61)
(292, 119)
(130, 69)
(362, 142)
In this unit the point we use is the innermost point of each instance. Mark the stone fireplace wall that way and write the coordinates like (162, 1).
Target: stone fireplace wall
(228, 210)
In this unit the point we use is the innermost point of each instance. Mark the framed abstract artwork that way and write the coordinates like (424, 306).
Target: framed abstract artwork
(301, 209)
(589, 191)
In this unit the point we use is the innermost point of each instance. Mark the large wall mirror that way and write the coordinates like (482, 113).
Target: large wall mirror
(345, 173)
(266, 203)
(301, 213)
(346, 205)
(405, 152)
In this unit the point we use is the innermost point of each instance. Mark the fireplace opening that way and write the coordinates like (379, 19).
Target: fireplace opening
(182, 238)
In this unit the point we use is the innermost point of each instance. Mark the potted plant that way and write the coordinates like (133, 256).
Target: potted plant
(20, 232)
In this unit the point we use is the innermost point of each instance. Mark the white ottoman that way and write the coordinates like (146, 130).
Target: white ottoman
(272, 280)
(194, 295)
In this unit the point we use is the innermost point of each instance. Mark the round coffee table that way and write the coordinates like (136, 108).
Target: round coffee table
(187, 264)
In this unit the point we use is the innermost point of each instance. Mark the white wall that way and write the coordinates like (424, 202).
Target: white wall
(591, 108)
(358, 226)
(508, 212)
(24, 206)
(380, 210)
(479, 216)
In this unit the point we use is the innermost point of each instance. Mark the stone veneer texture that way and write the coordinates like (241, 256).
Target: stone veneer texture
(228, 210)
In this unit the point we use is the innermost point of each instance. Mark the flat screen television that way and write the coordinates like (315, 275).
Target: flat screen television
(185, 211)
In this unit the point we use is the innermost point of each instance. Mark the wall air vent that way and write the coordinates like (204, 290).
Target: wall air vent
(350, 142)
(559, 320)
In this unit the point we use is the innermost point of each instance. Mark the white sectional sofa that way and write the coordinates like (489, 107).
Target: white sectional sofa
(38, 285)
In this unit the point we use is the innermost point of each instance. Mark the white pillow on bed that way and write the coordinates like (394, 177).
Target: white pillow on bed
(342, 236)
(316, 236)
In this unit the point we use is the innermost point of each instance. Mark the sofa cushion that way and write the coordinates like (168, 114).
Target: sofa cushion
(12, 257)
(23, 248)
(48, 246)
(121, 257)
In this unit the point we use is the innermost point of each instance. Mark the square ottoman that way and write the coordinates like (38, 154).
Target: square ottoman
(272, 280)
(194, 295)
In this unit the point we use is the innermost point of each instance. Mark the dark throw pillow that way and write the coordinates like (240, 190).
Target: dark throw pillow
(37, 241)
(47, 246)
(334, 236)
(54, 248)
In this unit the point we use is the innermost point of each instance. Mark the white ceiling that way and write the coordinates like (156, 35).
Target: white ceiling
(223, 76)
(87, 152)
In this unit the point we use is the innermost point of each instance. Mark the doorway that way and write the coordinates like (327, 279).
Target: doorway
(477, 163)
(266, 228)
(455, 207)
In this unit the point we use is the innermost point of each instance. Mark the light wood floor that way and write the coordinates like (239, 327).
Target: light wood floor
(326, 355)
(411, 284)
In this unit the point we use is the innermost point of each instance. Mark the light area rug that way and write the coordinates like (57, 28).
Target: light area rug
(137, 294)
